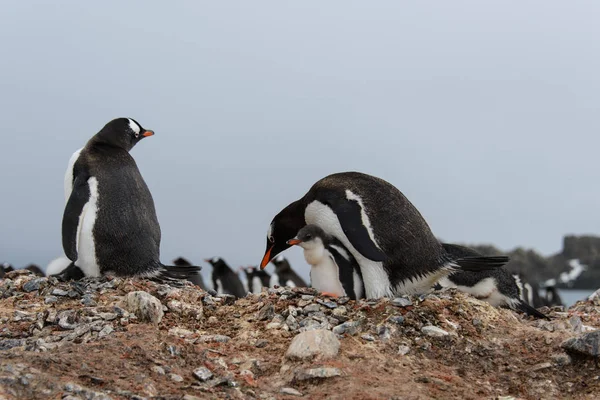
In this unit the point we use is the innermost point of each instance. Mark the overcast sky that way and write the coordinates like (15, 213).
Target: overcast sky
(484, 114)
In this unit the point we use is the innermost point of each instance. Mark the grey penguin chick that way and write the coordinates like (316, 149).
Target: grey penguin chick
(333, 270)
(109, 224)
(498, 286)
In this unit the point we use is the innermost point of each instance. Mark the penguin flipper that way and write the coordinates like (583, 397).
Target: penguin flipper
(349, 214)
(80, 195)
(527, 309)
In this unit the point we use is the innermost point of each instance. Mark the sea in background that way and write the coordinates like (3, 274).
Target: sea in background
(571, 296)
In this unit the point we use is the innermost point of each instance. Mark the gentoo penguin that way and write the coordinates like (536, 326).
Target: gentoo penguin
(333, 270)
(497, 286)
(393, 245)
(109, 224)
(35, 269)
(553, 297)
(256, 278)
(531, 291)
(195, 279)
(225, 280)
(284, 275)
(5, 268)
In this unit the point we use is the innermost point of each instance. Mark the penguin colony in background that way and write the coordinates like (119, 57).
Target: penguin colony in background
(360, 234)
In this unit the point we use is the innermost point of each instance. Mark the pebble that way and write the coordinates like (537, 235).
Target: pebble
(311, 309)
(59, 292)
(145, 306)
(290, 392)
(213, 339)
(50, 299)
(350, 328)
(401, 302)
(317, 373)
(340, 311)
(587, 344)
(105, 331)
(433, 331)
(202, 374)
(267, 312)
(397, 319)
(327, 303)
(384, 332)
(307, 297)
(34, 284)
(66, 319)
(158, 369)
(291, 323)
(368, 337)
(403, 349)
(88, 300)
(261, 343)
(315, 343)
(176, 378)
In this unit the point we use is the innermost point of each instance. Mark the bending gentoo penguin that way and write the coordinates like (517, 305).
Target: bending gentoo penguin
(284, 275)
(333, 270)
(195, 279)
(110, 224)
(498, 286)
(388, 237)
(257, 279)
(225, 280)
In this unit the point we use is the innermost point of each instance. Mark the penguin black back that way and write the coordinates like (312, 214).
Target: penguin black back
(195, 279)
(225, 280)
(285, 273)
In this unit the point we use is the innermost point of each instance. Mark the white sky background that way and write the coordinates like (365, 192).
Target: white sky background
(485, 114)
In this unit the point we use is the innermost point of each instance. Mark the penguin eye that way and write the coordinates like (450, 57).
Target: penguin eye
(136, 134)
(271, 239)
(309, 236)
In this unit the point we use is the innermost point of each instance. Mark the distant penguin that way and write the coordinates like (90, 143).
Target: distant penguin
(284, 275)
(225, 280)
(5, 268)
(384, 232)
(256, 278)
(531, 291)
(553, 297)
(35, 269)
(195, 279)
(497, 287)
(57, 265)
(333, 269)
(109, 225)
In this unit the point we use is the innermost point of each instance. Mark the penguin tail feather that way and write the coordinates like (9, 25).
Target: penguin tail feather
(527, 309)
(475, 264)
(174, 273)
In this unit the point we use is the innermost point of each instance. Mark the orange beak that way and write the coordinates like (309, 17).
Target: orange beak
(266, 258)
(148, 133)
(293, 242)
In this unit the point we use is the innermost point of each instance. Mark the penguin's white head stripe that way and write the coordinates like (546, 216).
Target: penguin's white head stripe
(134, 127)
(215, 259)
(270, 233)
(279, 259)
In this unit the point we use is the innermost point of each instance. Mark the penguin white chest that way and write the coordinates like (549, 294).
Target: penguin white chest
(86, 246)
(325, 277)
(256, 285)
(376, 280)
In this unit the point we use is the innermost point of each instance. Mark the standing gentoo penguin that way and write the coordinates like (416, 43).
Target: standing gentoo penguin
(256, 278)
(110, 224)
(195, 279)
(497, 287)
(333, 270)
(284, 275)
(225, 280)
(388, 237)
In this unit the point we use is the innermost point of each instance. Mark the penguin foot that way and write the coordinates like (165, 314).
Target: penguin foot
(329, 294)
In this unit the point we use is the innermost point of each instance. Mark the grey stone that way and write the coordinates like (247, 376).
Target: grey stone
(88, 300)
(176, 378)
(145, 306)
(10, 343)
(327, 303)
(585, 345)
(67, 319)
(59, 292)
(397, 319)
(290, 392)
(261, 343)
(317, 373)
(307, 297)
(291, 322)
(402, 302)
(368, 337)
(158, 369)
(311, 309)
(105, 331)
(403, 349)
(50, 299)
(316, 343)
(202, 374)
(433, 331)
(267, 312)
(384, 332)
(213, 339)
(349, 327)
(34, 284)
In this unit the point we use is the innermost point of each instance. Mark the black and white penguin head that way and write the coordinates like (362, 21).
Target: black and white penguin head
(219, 265)
(123, 133)
(284, 227)
(309, 238)
(180, 262)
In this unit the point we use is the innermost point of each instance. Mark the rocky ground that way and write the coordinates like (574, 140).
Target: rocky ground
(133, 339)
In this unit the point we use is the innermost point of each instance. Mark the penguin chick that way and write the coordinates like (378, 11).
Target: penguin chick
(333, 269)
